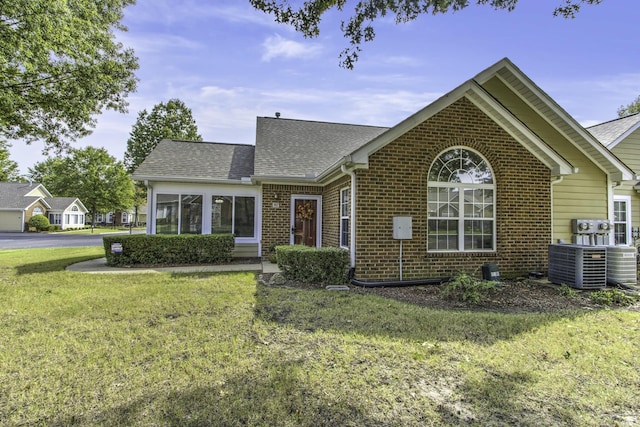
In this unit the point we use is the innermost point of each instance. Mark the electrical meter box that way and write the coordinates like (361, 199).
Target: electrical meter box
(402, 228)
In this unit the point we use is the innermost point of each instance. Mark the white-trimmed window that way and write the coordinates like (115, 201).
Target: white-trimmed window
(55, 219)
(622, 220)
(233, 214)
(38, 211)
(345, 202)
(179, 214)
(461, 203)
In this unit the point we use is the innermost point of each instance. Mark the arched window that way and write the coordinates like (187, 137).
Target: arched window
(74, 208)
(460, 203)
(38, 211)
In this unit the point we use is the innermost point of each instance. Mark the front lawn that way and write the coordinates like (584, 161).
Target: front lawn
(218, 349)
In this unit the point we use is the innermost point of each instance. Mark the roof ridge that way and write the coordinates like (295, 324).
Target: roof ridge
(210, 142)
(613, 120)
(323, 122)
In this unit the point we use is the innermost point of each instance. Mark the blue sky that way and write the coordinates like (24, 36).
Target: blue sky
(230, 64)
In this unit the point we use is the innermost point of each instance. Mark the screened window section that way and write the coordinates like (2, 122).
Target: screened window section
(345, 196)
(460, 203)
(233, 214)
(178, 214)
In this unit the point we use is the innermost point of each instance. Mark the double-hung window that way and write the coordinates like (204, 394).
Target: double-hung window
(621, 220)
(345, 200)
(460, 203)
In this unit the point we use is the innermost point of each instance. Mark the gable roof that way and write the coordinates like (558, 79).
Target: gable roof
(190, 161)
(63, 203)
(501, 112)
(288, 148)
(611, 133)
(16, 195)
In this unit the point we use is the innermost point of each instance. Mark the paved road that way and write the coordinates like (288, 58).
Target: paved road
(55, 240)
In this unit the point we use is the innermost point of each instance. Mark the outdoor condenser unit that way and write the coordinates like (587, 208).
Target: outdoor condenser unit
(582, 267)
(622, 265)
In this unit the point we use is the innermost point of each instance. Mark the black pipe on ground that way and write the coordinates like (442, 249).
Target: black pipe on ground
(396, 283)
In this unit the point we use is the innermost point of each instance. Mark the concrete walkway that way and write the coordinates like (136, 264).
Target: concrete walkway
(99, 265)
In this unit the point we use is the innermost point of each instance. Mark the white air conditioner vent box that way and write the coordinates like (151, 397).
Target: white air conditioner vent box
(578, 266)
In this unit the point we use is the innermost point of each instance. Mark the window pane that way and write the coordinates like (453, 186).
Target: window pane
(244, 216)
(167, 214)
(221, 215)
(344, 232)
(191, 214)
(443, 234)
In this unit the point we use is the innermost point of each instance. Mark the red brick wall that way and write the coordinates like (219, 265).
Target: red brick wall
(396, 185)
(276, 221)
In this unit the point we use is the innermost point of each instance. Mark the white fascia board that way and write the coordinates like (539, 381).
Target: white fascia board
(557, 164)
(187, 179)
(617, 170)
(41, 200)
(624, 136)
(266, 179)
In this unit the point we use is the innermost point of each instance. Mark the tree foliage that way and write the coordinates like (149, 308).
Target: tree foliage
(8, 168)
(173, 120)
(632, 108)
(60, 65)
(90, 174)
(359, 27)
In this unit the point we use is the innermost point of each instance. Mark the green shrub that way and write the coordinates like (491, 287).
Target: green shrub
(609, 297)
(161, 249)
(316, 266)
(39, 222)
(568, 291)
(466, 288)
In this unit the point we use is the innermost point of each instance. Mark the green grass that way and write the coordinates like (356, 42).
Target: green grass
(170, 349)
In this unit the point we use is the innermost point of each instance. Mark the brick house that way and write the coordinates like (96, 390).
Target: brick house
(491, 172)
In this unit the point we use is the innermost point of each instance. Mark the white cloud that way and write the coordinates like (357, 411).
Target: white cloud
(277, 46)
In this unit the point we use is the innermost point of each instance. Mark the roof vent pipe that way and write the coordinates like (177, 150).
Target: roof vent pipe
(277, 114)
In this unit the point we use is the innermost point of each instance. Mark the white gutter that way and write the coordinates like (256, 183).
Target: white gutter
(554, 182)
(150, 220)
(352, 219)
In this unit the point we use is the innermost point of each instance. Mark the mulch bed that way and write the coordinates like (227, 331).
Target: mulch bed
(512, 296)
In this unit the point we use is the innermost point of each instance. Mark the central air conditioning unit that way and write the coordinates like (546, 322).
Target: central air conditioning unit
(622, 265)
(581, 267)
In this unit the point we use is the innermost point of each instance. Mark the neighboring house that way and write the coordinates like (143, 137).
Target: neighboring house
(622, 137)
(123, 218)
(492, 172)
(20, 201)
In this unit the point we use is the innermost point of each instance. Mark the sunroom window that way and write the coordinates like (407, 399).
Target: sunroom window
(460, 203)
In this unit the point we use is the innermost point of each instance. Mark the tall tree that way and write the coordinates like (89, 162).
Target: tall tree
(359, 27)
(632, 108)
(173, 120)
(60, 65)
(91, 174)
(8, 168)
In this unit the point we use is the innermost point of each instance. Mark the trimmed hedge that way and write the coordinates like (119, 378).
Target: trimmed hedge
(317, 266)
(159, 249)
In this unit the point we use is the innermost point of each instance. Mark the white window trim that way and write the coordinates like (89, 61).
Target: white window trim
(343, 217)
(627, 200)
(461, 218)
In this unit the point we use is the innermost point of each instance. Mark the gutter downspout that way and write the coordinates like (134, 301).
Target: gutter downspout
(352, 219)
(554, 182)
(150, 219)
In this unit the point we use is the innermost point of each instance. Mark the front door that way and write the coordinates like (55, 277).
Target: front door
(305, 220)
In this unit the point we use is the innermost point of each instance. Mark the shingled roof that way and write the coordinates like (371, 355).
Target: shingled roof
(13, 195)
(610, 133)
(301, 148)
(197, 161)
(62, 203)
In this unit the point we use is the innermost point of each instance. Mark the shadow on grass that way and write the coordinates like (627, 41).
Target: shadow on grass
(269, 395)
(51, 265)
(370, 315)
